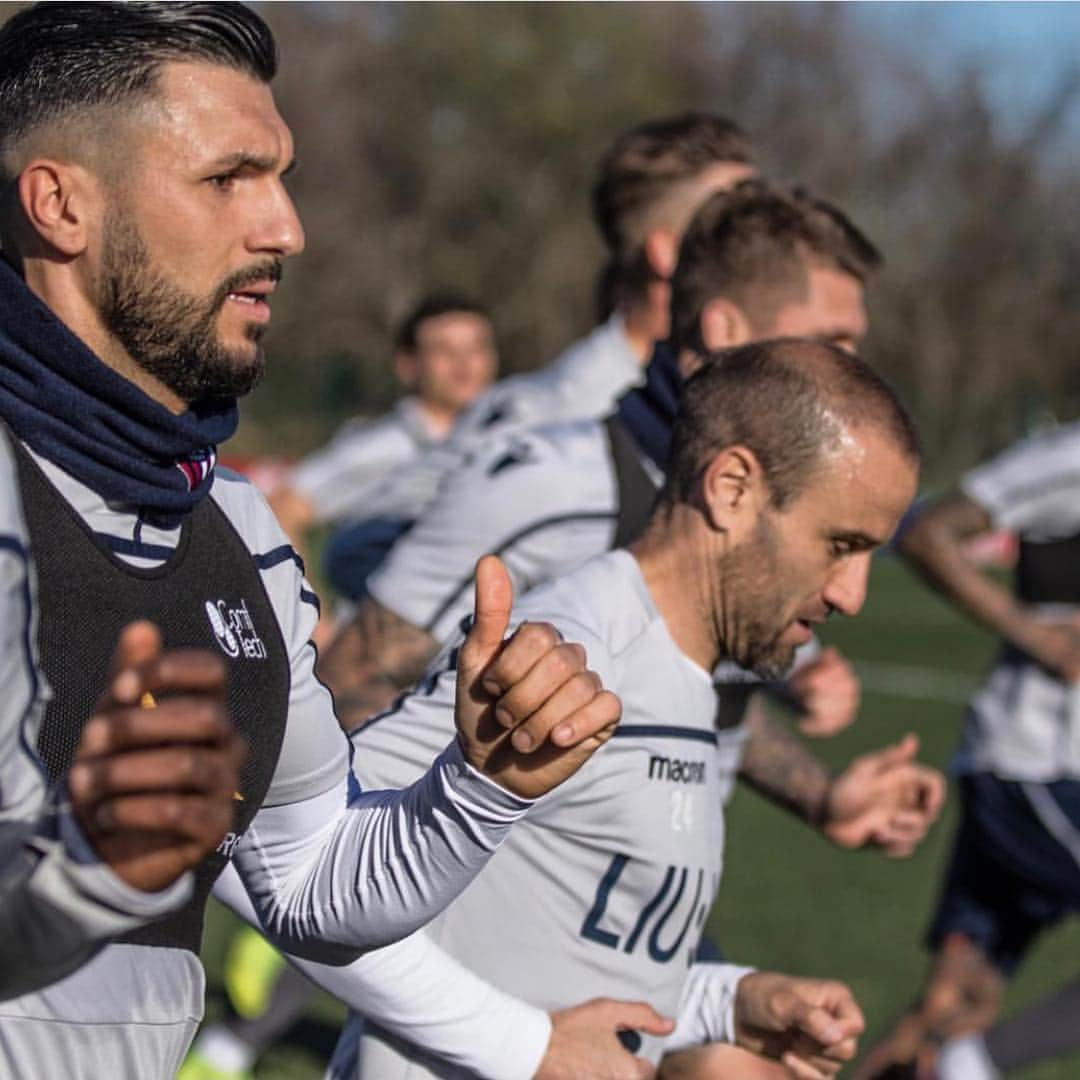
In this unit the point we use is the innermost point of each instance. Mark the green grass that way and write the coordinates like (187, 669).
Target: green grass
(791, 901)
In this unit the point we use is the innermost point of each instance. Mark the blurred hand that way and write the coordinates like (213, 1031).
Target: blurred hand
(1054, 646)
(153, 778)
(585, 1042)
(828, 692)
(885, 799)
(811, 1026)
(529, 713)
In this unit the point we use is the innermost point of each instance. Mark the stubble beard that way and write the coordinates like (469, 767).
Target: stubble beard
(751, 571)
(170, 333)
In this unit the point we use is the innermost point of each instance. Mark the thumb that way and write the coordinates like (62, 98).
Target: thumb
(491, 616)
(899, 753)
(139, 644)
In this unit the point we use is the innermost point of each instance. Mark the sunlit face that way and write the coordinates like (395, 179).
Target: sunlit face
(812, 557)
(832, 311)
(454, 360)
(196, 230)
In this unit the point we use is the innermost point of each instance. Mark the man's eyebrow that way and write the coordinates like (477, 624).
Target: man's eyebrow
(245, 159)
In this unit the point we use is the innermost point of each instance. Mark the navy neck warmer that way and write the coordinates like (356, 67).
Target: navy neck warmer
(75, 411)
(649, 411)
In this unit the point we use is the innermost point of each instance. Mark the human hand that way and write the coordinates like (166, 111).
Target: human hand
(529, 713)
(1055, 646)
(811, 1026)
(828, 692)
(885, 799)
(153, 778)
(585, 1042)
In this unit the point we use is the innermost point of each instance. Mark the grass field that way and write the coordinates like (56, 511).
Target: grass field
(789, 900)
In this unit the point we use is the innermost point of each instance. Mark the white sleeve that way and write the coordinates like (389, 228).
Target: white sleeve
(333, 871)
(416, 991)
(542, 500)
(1033, 487)
(707, 1006)
(58, 902)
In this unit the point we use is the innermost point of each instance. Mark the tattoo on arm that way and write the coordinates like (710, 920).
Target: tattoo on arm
(371, 661)
(778, 765)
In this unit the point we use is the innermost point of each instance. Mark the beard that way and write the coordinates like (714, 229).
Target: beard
(170, 333)
(755, 592)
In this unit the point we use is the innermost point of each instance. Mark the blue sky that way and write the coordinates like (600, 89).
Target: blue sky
(1026, 46)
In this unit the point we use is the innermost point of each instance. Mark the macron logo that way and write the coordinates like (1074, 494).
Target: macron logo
(234, 630)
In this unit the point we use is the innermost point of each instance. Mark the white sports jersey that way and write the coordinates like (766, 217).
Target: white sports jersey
(329, 870)
(605, 888)
(1024, 724)
(545, 500)
(58, 902)
(585, 381)
(341, 480)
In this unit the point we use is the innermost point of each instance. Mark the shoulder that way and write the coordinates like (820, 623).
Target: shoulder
(247, 511)
(603, 599)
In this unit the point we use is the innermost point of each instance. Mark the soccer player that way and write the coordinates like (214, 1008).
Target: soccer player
(1015, 867)
(73, 869)
(144, 223)
(444, 355)
(791, 463)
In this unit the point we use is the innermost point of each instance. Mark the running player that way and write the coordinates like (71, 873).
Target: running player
(1015, 867)
(444, 355)
(791, 463)
(144, 224)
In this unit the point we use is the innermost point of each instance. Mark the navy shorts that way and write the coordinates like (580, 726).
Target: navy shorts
(1015, 867)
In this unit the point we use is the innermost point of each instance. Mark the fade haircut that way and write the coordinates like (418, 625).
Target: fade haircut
(59, 61)
(431, 307)
(639, 172)
(790, 401)
(754, 245)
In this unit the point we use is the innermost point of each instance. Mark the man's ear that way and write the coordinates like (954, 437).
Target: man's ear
(724, 324)
(61, 204)
(734, 491)
(662, 252)
(406, 368)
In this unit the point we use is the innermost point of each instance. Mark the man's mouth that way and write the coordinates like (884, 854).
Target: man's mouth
(255, 298)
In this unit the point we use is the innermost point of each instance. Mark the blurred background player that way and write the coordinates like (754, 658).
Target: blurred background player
(1015, 866)
(444, 356)
(649, 183)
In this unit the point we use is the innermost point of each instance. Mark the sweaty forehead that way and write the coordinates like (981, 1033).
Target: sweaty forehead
(863, 484)
(207, 111)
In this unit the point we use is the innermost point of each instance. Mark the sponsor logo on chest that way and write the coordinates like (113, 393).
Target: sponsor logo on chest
(676, 770)
(234, 630)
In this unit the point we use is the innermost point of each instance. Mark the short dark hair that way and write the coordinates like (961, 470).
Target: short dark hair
(58, 59)
(642, 166)
(753, 245)
(430, 307)
(788, 401)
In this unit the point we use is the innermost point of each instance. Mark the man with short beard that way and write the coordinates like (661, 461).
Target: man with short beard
(791, 463)
(143, 224)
